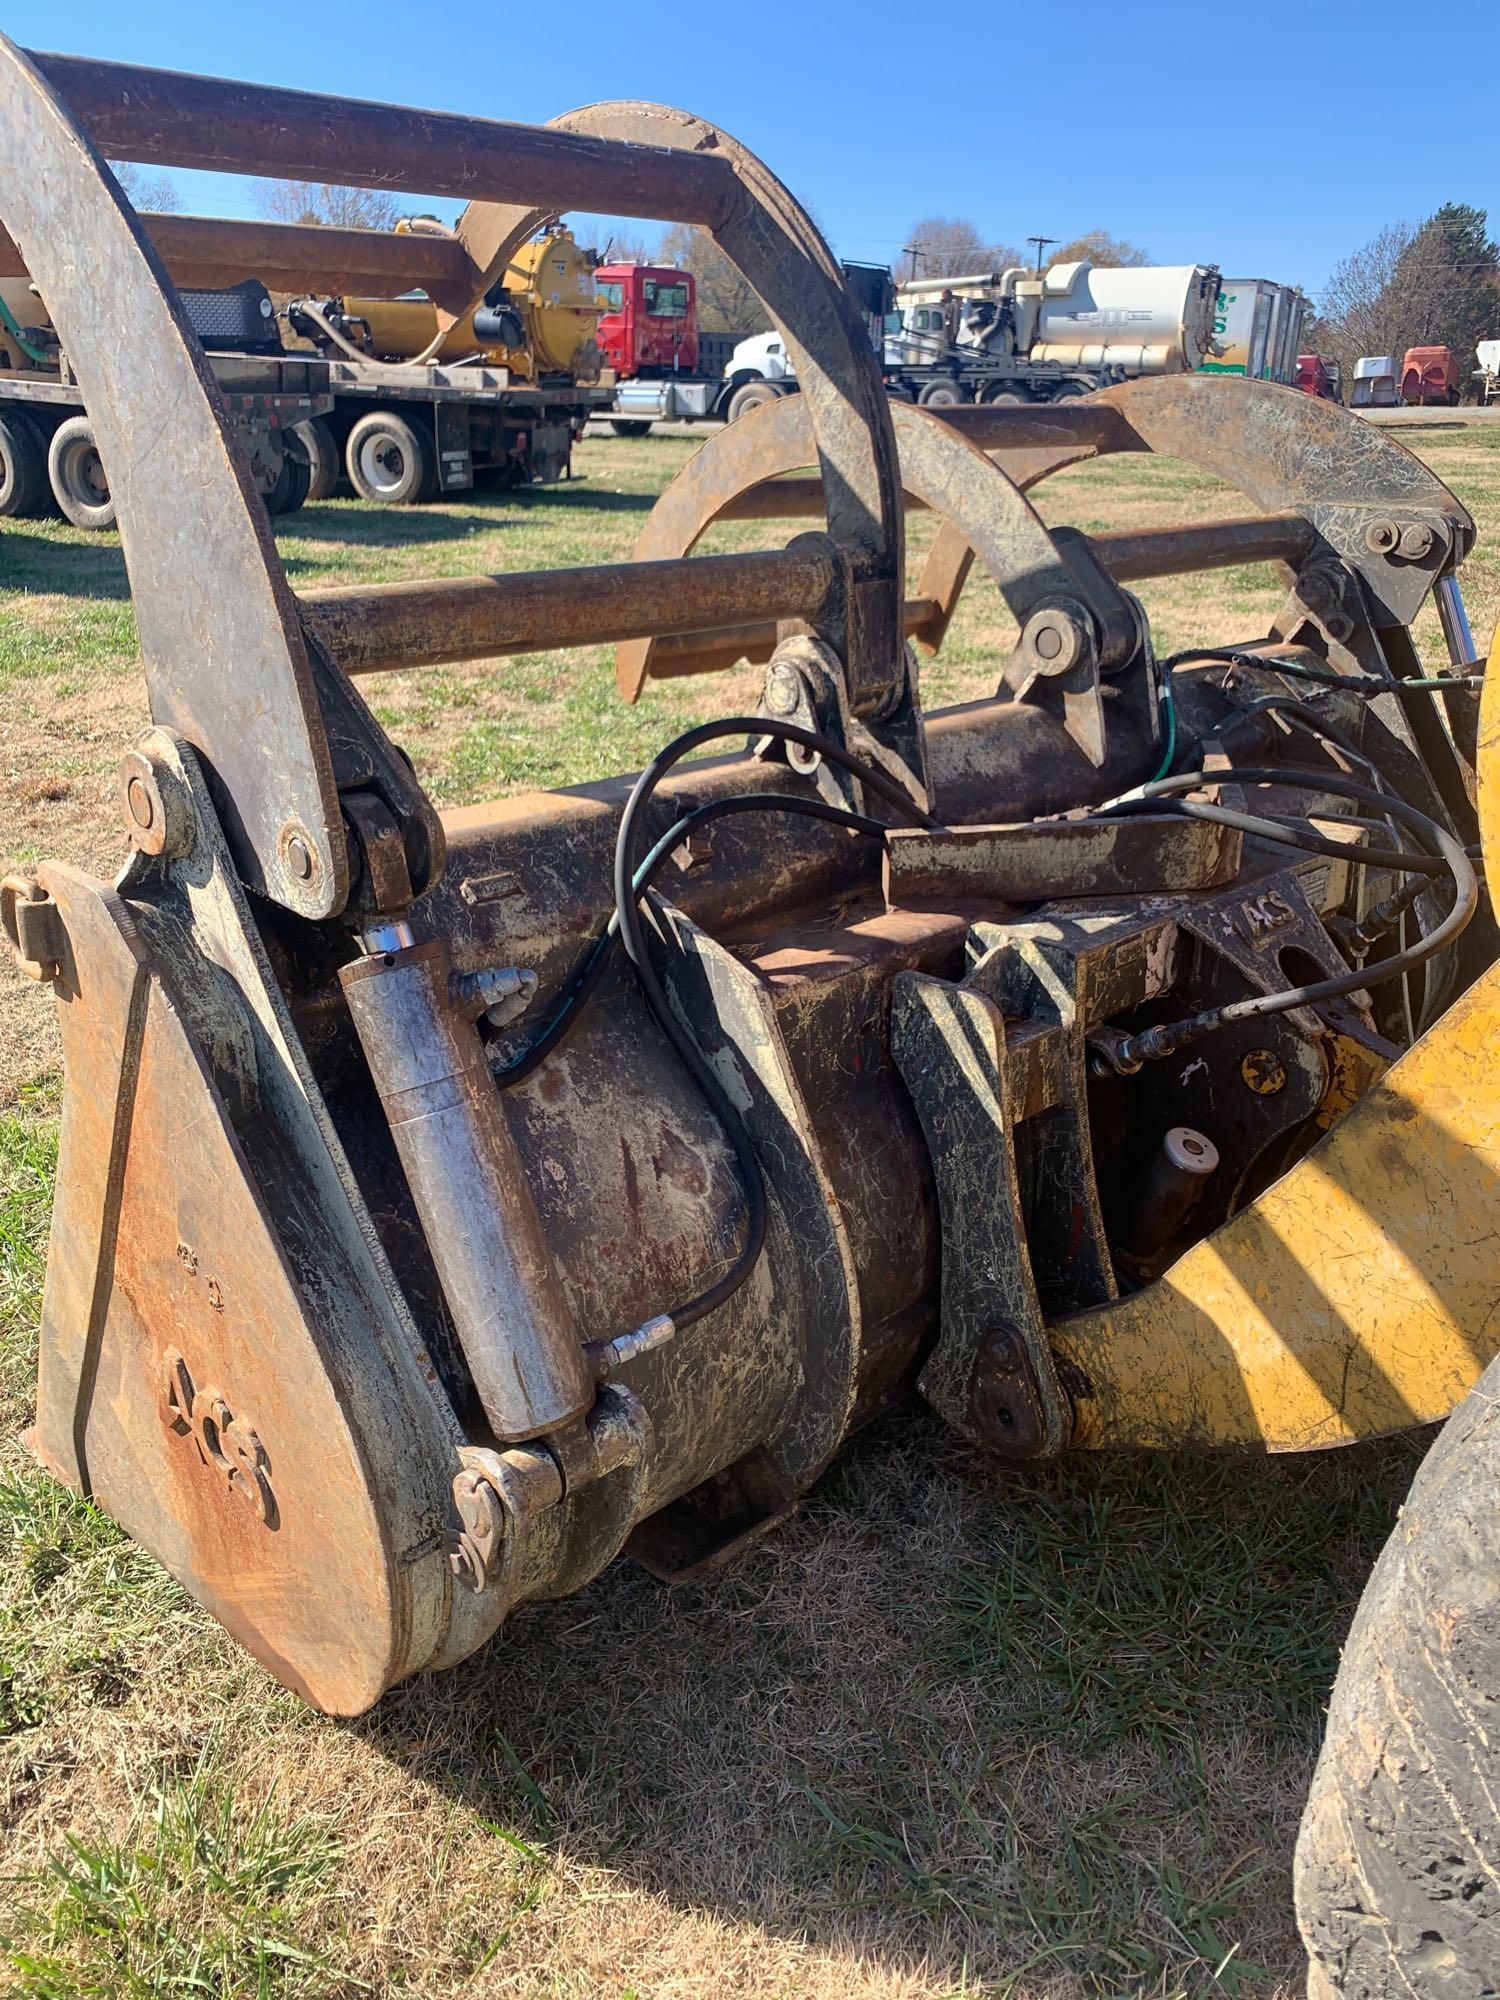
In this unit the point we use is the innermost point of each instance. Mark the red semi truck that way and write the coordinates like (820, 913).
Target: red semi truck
(666, 365)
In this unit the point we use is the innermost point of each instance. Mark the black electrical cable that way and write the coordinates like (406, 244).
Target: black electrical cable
(632, 937)
(1128, 1052)
(1372, 685)
(584, 980)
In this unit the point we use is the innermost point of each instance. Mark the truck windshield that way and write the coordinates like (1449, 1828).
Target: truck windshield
(665, 301)
(612, 291)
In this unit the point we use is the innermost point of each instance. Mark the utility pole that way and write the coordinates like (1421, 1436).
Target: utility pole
(914, 251)
(1042, 243)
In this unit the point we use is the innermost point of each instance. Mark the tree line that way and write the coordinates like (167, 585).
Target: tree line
(1427, 284)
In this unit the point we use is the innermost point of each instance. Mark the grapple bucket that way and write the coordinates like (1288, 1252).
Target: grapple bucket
(451, 1201)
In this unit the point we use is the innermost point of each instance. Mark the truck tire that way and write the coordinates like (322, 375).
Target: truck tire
(321, 447)
(24, 492)
(749, 396)
(1017, 393)
(629, 427)
(293, 484)
(942, 394)
(1398, 1861)
(77, 475)
(391, 460)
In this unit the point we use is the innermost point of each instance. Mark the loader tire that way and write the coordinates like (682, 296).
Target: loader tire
(391, 460)
(318, 442)
(77, 475)
(24, 491)
(1398, 1860)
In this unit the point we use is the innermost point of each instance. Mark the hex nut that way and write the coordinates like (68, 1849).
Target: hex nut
(1381, 537)
(1416, 541)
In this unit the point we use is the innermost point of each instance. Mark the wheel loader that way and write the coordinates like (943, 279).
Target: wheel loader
(452, 1202)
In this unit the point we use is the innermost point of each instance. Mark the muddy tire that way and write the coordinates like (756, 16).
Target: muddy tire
(321, 447)
(1398, 1862)
(391, 461)
(77, 475)
(24, 491)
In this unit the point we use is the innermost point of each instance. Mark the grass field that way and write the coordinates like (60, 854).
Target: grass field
(952, 1731)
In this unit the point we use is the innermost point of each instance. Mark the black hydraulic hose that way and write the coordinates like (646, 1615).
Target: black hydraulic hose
(1128, 1052)
(1372, 685)
(583, 982)
(632, 937)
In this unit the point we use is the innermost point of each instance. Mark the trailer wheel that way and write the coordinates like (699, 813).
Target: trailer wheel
(318, 442)
(391, 460)
(77, 474)
(293, 484)
(24, 492)
(942, 394)
(629, 427)
(749, 396)
(1398, 1862)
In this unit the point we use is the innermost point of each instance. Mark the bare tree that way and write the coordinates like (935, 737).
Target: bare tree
(149, 194)
(335, 207)
(949, 246)
(726, 303)
(1368, 304)
(620, 248)
(1097, 246)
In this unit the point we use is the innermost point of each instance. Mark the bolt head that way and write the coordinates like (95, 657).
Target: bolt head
(782, 691)
(138, 802)
(145, 807)
(1416, 541)
(1381, 537)
(1262, 1071)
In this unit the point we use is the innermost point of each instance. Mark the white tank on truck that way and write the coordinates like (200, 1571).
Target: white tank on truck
(1143, 320)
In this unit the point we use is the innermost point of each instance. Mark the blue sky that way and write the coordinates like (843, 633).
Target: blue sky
(1265, 138)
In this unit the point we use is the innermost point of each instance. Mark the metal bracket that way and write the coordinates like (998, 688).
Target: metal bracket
(991, 1374)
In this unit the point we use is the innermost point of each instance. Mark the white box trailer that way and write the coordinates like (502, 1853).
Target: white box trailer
(1257, 330)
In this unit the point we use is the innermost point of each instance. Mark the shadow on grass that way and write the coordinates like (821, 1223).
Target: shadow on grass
(35, 561)
(965, 1722)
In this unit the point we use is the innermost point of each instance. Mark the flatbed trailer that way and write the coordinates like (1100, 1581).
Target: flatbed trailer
(48, 456)
(403, 432)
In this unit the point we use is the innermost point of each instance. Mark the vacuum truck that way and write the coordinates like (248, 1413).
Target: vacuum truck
(1016, 336)
(500, 397)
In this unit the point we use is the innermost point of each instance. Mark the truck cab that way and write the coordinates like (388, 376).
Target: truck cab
(650, 324)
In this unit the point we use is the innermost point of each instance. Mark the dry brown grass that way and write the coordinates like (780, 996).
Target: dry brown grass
(951, 1731)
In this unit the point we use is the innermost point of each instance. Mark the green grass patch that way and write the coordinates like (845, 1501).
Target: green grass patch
(202, 1896)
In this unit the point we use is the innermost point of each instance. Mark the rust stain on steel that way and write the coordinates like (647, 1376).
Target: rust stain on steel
(165, 118)
(384, 627)
(208, 252)
(1033, 863)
